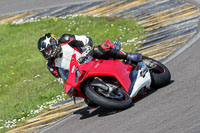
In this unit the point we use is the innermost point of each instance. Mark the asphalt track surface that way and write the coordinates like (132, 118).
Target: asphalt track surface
(8, 7)
(171, 109)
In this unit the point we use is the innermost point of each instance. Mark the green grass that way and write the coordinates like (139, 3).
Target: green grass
(20, 61)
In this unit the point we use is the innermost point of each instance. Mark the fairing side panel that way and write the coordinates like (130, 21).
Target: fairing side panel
(112, 68)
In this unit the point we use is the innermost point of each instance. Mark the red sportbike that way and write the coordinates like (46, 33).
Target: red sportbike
(113, 83)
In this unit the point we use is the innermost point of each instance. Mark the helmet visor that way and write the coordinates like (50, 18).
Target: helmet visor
(47, 52)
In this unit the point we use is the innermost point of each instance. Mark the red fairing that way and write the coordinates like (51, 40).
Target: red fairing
(111, 68)
(71, 77)
(95, 68)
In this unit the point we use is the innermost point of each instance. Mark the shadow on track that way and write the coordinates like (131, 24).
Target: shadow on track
(149, 92)
(102, 112)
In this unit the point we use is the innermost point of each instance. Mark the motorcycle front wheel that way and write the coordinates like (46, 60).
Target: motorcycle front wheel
(160, 74)
(113, 100)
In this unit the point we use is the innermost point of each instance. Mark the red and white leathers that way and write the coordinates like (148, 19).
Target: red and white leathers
(69, 44)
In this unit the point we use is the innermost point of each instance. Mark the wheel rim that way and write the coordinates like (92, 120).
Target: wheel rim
(154, 66)
(117, 95)
(158, 69)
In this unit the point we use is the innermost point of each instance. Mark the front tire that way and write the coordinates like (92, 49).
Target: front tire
(122, 100)
(160, 74)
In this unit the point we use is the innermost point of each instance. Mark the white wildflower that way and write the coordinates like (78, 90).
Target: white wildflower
(23, 118)
(36, 76)
(49, 104)
(132, 40)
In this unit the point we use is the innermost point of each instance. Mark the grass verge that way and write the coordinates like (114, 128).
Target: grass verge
(25, 83)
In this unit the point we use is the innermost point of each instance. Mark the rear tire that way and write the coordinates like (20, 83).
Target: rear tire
(160, 75)
(99, 99)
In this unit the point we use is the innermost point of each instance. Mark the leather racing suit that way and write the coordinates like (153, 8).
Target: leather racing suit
(69, 44)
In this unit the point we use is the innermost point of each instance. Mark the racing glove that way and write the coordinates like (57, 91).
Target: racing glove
(134, 57)
(85, 54)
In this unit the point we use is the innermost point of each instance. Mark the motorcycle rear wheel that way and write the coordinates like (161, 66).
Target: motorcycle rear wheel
(160, 74)
(120, 100)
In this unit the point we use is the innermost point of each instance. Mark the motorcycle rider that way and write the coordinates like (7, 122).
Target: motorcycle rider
(58, 52)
